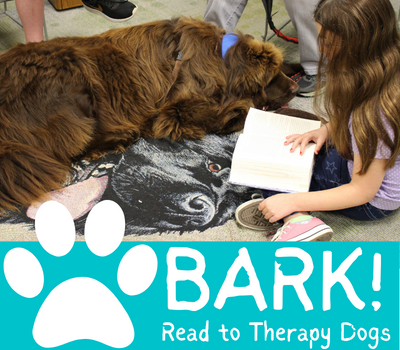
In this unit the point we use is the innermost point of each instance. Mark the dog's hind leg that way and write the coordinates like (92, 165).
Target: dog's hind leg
(114, 136)
(26, 174)
(36, 154)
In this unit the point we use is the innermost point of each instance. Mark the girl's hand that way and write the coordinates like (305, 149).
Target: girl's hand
(318, 136)
(278, 206)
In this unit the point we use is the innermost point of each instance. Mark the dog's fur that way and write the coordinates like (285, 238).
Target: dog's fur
(69, 98)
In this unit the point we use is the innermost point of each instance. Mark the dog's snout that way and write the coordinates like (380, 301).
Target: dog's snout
(295, 88)
(200, 208)
(198, 203)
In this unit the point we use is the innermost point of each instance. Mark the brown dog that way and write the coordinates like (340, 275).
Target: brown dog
(69, 98)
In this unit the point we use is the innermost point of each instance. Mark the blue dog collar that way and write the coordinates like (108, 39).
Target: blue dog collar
(228, 40)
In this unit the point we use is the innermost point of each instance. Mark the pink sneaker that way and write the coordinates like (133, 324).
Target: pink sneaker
(309, 229)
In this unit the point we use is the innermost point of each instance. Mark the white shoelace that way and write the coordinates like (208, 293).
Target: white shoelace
(280, 232)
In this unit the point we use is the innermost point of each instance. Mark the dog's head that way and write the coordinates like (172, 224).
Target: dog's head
(255, 73)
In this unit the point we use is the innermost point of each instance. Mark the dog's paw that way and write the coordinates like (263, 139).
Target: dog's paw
(179, 122)
(81, 308)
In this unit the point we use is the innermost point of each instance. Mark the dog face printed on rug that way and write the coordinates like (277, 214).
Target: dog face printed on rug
(178, 186)
(161, 185)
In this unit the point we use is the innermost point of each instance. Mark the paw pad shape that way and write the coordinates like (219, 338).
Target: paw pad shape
(81, 307)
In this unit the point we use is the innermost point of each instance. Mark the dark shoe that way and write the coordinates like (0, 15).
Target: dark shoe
(113, 10)
(249, 216)
(307, 83)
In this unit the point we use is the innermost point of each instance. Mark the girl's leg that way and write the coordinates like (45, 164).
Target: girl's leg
(31, 13)
(330, 170)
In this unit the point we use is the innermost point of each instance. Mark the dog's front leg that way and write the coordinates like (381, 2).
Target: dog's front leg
(186, 118)
(233, 116)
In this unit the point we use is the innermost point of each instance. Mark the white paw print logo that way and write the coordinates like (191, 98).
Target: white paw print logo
(81, 307)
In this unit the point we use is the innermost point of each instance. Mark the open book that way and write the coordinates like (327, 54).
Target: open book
(261, 160)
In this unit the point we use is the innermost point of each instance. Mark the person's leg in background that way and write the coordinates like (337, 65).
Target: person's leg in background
(224, 13)
(31, 13)
(301, 14)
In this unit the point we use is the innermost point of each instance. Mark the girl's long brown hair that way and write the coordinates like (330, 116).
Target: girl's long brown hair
(361, 75)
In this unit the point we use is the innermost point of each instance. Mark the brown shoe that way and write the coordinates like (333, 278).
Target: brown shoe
(248, 215)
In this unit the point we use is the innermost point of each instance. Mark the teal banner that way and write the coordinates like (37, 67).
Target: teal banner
(57, 293)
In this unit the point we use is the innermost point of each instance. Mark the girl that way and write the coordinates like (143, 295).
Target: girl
(357, 169)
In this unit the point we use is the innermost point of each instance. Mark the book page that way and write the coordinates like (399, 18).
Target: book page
(261, 159)
(272, 124)
(280, 182)
(271, 150)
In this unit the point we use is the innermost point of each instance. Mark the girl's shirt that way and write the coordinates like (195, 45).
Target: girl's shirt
(388, 196)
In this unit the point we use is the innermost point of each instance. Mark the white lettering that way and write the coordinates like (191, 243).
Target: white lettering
(229, 290)
(329, 279)
(195, 276)
(297, 281)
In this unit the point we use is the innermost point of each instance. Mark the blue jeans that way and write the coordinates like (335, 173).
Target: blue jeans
(330, 170)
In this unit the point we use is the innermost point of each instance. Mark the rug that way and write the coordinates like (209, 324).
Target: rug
(176, 191)
(162, 186)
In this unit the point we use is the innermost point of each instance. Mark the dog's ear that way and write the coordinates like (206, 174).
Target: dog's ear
(252, 64)
(201, 64)
(260, 53)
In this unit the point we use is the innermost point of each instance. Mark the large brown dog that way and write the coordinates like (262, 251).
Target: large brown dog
(68, 98)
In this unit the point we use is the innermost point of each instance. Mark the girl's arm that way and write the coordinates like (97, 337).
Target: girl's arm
(360, 190)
